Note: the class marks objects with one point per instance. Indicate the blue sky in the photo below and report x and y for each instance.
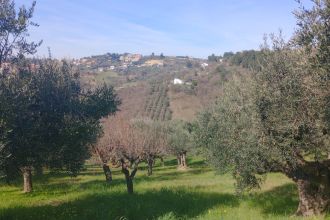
(77, 28)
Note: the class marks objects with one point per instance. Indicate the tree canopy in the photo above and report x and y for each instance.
(277, 120)
(50, 120)
(14, 28)
(180, 141)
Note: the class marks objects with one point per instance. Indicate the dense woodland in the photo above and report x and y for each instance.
(248, 114)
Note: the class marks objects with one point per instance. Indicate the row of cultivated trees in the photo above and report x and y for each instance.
(126, 143)
(157, 106)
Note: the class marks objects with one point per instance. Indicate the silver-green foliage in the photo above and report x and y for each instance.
(277, 119)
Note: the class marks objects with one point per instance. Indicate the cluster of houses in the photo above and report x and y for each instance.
(130, 58)
(124, 61)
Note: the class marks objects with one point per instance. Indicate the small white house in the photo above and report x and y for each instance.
(177, 81)
(204, 65)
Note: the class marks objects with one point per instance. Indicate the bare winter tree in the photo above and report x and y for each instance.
(122, 143)
(129, 150)
(104, 148)
(155, 141)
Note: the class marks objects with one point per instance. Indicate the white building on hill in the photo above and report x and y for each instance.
(177, 81)
(204, 65)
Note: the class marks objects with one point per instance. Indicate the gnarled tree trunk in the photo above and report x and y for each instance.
(27, 178)
(129, 183)
(313, 182)
(181, 157)
(107, 173)
(179, 160)
(150, 166)
(314, 199)
(128, 176)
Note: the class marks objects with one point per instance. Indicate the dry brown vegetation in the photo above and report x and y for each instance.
(133, 99)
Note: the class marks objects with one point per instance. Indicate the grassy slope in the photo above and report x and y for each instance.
(169, 194)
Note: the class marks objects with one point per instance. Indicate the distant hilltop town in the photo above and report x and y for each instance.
(120, 62)
(128, 62)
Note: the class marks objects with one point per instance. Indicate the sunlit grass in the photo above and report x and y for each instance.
(196, 193)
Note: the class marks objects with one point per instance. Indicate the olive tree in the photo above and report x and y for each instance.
(180, 142)
(50, 120)
(278, 119)
(14, 31)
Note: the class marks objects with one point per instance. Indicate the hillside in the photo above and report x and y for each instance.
(146, 86)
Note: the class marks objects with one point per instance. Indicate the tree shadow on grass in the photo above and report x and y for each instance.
(117, 205)
(281, 200)
(190, 162)
(175, 174)
(171, 172)
(98, 172)
(171, 162)
(196, 163)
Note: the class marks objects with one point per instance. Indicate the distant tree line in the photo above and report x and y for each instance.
(246, 58)
(214, 58)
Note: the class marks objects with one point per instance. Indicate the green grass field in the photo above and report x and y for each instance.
(196, 193)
